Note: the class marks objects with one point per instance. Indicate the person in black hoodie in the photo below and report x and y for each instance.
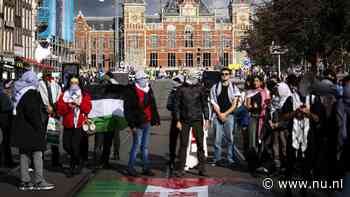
(191, 107)
(174, 132)
(5, 122)
(141, 113)
(104, 140)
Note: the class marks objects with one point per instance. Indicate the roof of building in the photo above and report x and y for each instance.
(153, 19)
(134, 1)
(100, 23)
(203, 9)
(242, 1)
(172, 8)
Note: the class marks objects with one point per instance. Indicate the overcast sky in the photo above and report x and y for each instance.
(98, 8)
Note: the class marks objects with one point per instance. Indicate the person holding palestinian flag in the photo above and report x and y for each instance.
(140, 127)
(74, 104)
(106, 125)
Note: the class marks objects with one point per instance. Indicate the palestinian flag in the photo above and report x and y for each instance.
(150, 187)
(107, 108)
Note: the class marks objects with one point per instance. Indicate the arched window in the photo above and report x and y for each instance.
(207, 40)
(171, 36)
(154, 41)
(189, 37)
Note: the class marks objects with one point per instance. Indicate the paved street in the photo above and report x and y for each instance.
(114, 182)
(236, 182)
(290, 59)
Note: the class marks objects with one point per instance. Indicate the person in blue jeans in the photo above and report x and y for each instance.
(140, 140)
(224, 97)
(140, 125)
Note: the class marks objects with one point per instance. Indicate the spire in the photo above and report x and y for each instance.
(80, 14)
(172, 8)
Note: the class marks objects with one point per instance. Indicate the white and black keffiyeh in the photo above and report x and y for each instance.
(301, 127)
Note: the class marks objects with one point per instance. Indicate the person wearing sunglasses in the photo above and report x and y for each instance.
(224, 98)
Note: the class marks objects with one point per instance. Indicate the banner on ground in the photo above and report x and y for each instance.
(150, 187)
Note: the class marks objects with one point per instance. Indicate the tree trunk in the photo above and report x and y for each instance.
(313, 59)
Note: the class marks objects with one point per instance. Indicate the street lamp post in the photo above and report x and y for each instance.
(279, 65)
(118, 14)
(222, 38)
(278, 50)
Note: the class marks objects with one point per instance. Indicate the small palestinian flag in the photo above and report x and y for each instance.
(150, 187)
(107, 109)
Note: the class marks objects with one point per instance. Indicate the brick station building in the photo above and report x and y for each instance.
(186, 33)
(94, 42)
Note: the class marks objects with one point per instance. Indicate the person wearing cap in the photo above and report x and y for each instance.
(28, 132)
(190, 110)
(50, 92)
(74, 104)
(5, 122)
(174, 132)
(140, 127)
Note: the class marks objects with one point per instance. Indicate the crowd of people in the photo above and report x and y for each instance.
(297, 124)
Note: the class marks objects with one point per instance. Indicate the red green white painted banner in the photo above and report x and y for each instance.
(150, 187)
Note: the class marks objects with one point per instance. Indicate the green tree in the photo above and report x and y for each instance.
(310, 29)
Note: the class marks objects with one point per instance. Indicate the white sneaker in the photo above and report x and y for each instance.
(44, 186)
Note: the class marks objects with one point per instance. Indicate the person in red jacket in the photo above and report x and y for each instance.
(74, 105)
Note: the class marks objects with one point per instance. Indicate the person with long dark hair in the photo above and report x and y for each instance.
(255, 100)
(5, 123)
(74, 105)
